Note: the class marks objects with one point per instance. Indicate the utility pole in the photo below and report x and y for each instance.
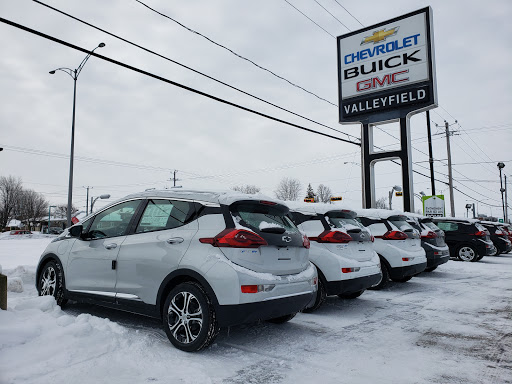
(450, 179)
(500, 167)
(430, 156)
(87, 200)
(174, 179)
(505, 219)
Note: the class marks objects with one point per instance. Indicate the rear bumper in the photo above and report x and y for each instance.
(352, 285)
(228, 315)
(433, 260)
(409, 270)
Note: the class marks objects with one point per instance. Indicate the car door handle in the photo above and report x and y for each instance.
(175, 240)
(111, 246)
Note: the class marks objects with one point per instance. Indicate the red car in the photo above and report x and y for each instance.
(21, 232)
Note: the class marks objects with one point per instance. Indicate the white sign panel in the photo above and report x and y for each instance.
(387, 66)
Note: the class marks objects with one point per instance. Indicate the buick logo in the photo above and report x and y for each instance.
(287, 239)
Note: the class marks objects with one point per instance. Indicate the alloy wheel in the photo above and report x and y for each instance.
(48, 281)
(466, 254)
(185, 317)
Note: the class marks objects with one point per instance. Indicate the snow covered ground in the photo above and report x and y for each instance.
(453, 325)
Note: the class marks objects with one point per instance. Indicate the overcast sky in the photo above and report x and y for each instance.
(132, 131)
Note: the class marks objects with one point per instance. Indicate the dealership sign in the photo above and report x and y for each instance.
(387, 66)
(433, 206)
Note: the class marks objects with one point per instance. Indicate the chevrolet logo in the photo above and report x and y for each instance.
(379, 36)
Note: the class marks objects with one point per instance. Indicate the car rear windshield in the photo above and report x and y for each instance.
(257, 216)
(414, 224)
(431, 225)
(400, 222)
(344, 220)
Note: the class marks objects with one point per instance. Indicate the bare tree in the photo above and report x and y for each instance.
(62, 210)
(324, 193)
(382, 203)
(288, 189)
(31, 205)
(248, 189)
(10, 190)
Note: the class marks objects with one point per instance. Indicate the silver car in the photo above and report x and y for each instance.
(197, 260)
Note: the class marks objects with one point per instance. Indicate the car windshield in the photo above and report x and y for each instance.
(257, 216)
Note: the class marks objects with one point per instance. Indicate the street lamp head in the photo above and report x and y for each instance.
(101, 45)
(501, 165)
(52, 72)
(106, 196)
(397, 188)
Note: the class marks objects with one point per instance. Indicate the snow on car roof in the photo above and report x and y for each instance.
(320, 208)
(466, 219)
(226, 197)
(378, 213)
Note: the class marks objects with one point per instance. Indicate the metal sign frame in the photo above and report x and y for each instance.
(369, 111)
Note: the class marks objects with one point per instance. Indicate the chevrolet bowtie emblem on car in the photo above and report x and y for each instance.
(379, 36)
(287, 239)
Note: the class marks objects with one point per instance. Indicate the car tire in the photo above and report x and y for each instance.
(430, 269)
(402, 279)
(350, 296)
(466, 253)
(51, 282)
(495, 252)
(321, 295)
(282, 319)
(189, 317)
(385, 277)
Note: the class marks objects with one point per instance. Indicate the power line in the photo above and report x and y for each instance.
(346, 10)
(191, 69)
(325, 9)
(313, 21)
(176, 84)
(233, 52)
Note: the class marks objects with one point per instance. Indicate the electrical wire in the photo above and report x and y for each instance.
(165, 80)
(338, 20)
(191, 69)
(233, 52)
(313, 21)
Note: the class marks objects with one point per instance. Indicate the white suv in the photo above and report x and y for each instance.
(197, 260)
(341, 249)
(397, 243)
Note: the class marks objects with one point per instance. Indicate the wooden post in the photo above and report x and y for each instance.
(3, 292)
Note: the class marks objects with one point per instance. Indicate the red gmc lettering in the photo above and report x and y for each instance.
(375, 82)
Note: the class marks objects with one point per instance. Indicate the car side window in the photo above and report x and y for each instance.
(165, 214)
(113, 221)
(448, 227)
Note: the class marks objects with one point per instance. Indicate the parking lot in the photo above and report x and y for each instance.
(453, 325)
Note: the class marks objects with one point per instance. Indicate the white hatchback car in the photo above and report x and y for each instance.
(341, 249)
(197, 260)
(397, 243)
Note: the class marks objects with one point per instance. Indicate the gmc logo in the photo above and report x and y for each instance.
(375, 82)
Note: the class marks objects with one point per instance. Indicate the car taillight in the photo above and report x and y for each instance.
(429, 235)
(394, 235)
(348, 270)
(407, 258)
(257, 288)
(332, 237)
(305, 242)
(480, 233)
(499, 233)
(372, 238)
(235, 238)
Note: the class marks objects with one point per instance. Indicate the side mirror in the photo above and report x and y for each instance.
(76, 230)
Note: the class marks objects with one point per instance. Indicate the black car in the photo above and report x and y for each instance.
(467, 238)
(432, 240)
(499, 237)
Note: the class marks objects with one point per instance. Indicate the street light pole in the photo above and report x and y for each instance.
(395, 188)
(73, 73)
(93, 200)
